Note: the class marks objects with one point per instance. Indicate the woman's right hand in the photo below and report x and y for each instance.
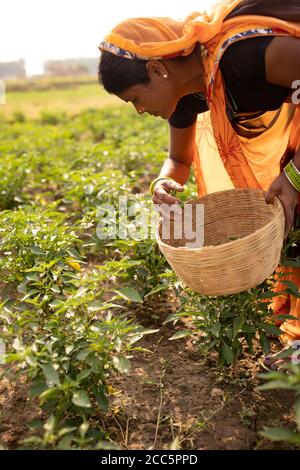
(162, 190)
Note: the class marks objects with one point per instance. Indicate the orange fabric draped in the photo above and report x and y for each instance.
(239, 155)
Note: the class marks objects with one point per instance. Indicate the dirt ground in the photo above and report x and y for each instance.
(172, 397)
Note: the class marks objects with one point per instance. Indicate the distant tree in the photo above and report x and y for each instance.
(70, 67)
(13, 69)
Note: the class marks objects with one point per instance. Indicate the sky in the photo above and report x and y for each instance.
(37, 30)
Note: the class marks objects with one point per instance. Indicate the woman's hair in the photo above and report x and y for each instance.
(117, 74)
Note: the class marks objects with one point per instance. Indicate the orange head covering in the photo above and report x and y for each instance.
(157, 38)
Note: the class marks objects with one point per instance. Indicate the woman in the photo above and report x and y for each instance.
(226, 82)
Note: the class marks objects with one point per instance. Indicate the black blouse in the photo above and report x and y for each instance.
(247, 90)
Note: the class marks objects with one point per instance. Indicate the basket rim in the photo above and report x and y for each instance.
(277, 204)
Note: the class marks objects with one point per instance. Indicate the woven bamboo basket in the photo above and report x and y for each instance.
(243, 239)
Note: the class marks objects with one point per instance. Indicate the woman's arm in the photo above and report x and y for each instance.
(283, 68)
(181, 149)
(177, 166)
(282, 61)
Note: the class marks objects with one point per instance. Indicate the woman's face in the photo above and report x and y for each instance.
(159, 97)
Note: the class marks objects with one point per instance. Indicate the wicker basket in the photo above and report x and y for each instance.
(243, 238)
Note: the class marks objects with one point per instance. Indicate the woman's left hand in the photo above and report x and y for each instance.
(288, 196)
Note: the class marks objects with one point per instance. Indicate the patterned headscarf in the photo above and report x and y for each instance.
(165, 38)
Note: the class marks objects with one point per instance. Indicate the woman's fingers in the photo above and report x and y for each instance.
(271, 194)
(172, 185)
(167, 204)
(273, 191)
(161, 196)
(161, 192)
(289, 198)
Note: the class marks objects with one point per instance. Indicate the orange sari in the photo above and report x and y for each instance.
(224, 158)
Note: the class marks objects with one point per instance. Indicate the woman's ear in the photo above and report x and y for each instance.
(158, 68)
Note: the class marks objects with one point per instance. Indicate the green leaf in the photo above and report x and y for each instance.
(274, 375)
(50, 374)
(17, 345)
(30, 359)
(215, 330)
(65, 443)
(36, 250)
(83, 354)
(97, 306)
(29, 294)
(37, 388)
(278, 434)
(130, 294)
(274, 385)
(292, 287)
(227, 354)
(69, 348)
(7, 317)
(81, 399)
(50, 424)
(248, 328)
(88, 189)
(173, 317)
(13, 357)
(66, 430)
(81, 292)
(144, 331)
(101, 398)
(49, 394)
(121, 363)
(34, 424)
(228, 333)
(270, 329)
(292, 263)
(211, 344)
(83, 428)
(268, 295)
(73, 252)
(55, 289)
(56, 303)
(264, 343)
(181, 334)
(238, 323)
(83, 374)
(156, 289)
(32, 277)
(286, 317)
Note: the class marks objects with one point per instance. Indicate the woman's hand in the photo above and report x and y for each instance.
(288, 196)
(161, 194)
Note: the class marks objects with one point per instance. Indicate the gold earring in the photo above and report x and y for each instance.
(165, 76)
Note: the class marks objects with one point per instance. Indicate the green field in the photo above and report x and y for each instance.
(104, 346)
(54, 96)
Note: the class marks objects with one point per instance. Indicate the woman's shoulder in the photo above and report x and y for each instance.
(245, 59)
